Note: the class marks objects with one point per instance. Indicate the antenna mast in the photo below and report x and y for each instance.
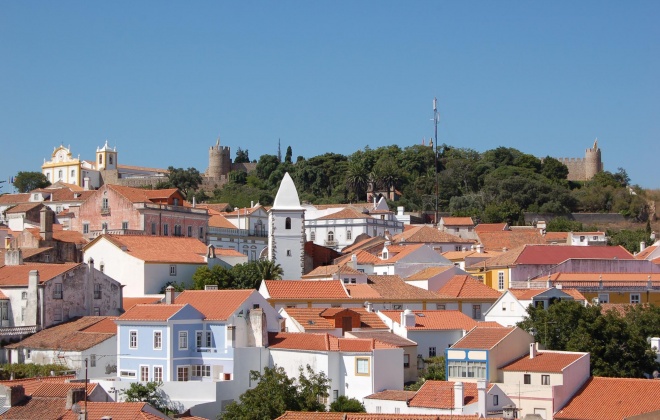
(436, 118)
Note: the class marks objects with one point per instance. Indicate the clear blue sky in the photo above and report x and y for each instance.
(162, 80)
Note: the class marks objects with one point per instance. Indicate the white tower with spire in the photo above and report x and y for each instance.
(286, 234)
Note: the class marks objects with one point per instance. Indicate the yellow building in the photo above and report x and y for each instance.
(496, 272)
(612, 287)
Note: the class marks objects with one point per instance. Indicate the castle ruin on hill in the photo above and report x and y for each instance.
(583, 169)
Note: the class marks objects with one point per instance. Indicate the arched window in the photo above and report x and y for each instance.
(110, 159)
(331, 236)
(287, 223)
(348, 235)
(312, 236)
(59, 173)
(100, 159)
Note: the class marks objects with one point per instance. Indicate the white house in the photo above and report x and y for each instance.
(586, 238)
(146, 264)
(434, 278)
(245, 230)
(356, 367)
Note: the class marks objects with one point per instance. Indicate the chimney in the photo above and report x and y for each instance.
(32, 299)
(458, 396)
(407, 318)
(533, 350)
(194, 203)
(169, 295)
(46, 222)
(14, 257)
(481, 397)
(642, 246)
(370, 306)
(258, 336)
(13, 394)
(399, 211)
(480, 248)
(251, 204)
(354, 262)
(73, 396)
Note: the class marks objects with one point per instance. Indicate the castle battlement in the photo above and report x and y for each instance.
(583, 169)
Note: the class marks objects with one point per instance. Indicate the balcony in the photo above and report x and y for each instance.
(207, 350)
(330, 243)
(243, 233)
(105, 211)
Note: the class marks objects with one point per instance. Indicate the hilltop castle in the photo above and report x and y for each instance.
(583, 169)
(220, 165)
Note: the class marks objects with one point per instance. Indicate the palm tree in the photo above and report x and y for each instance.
(270, 270)
(357, 177)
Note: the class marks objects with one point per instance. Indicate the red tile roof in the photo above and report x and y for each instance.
(612, 399)
(398, 252)
(23, 208)
(429, 272)
(642, 255)
(555, 254)
(363, 257)
(32, 384)
(466, 287)
(362, 291)
(323, 342)
(216, 305)
(321, 318)
(347, 213)
(160, 249)
(505, 259)
(393, 287)
(509, 239)
(329, 270)
(440, 394)
(304, 289)
(76, 335)
(427, 234)
(436, 320)
(141, 195)
(59, 390)
(117, 411)
(365, 244)
(321, 415)
(490, 227)
(457, 221)
(383, 336)
(483, 338)
(129, 302)
(217, 220)
(59, 234)
(14, 198)
(544, 361)
(17, 275)
(150, 312)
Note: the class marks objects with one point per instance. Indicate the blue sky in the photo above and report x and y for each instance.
(162, 80)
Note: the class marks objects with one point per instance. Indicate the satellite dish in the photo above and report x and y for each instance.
(76, 408)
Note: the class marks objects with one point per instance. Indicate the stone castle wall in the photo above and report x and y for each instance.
(583, 169)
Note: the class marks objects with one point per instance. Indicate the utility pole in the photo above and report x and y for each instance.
(85, 389)
(436, 118)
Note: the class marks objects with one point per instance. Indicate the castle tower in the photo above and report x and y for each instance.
(592, 161)
(219, 161)
(286, 236)
(106, 158)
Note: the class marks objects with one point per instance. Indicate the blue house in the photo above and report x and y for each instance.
(193, 336)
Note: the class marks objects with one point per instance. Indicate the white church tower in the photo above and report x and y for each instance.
(286, 235)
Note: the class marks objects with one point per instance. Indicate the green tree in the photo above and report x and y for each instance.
(216, 275)
(185, 180)
(553, 169)
(269, 270)
(629, 239)
(289, 155)
(28, 181)
(267, 165)
(242, 156)
(149, 393)
(277, 393)
(563, 224)
(357, 178)
(343, 404)
(434, 369)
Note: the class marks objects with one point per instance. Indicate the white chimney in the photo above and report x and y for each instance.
(480, 248)
(251, 204)
(642, 246)
(399, 211)
(169, 295)
(533, 350)
(407, 318)
(370, 307)
(481, 397)
(458, 396)
(354, 262)
(194, 203)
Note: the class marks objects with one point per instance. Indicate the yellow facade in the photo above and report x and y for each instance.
(62, 167)
(491, 277)
(623, 296)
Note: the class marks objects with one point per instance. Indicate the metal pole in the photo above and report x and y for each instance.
(435, 122)
(85, 388)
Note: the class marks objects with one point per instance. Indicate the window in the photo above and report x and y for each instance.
(361, 366)
(199, 335)
(85, 227)
(177, 230)
(287, 223)
(57, 291)
(183, 340)
(527, 380)
(603, 298)
(104, 204)
(97, 291)
(4, 310)
(73, 173)
(132, 340)
(201, 233)
(104, 226)
(349, 235)
(545, 379)
(97, 311)
(92, 360)
(127, 373)
(24, 295)
(172, 270)
(312, 236)
(634, 298)
(331, 236)
(110, 159)
(476, 311)
(440, 306)
(158, 373)
(209, 339)
(595, 238)
(406, 360)
(102, 267)
(166, 229)
(175, 201)
(431, 351)
(496, 400)
(500, 280)
(124, 225)
(182, 373)
(288, 252)
(466, 369)
(158, 340)
(335, 394)
(153, 228)
(144, 373)
(397, 410)
(581, 238)
(189, 231)
(398, 307)
(201, 371)
(57, 315)
(59, 174)
(503, 306)
(100, 159)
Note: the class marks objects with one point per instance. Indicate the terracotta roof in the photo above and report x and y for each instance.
(544, 361)
(429, 272)
(554, 254)
(32, 384)
(117, 411)
(150, 312)
(346, 213)
(376, 241)
(323, 342)
(160, 249)
(436, 320)
(505, 259)
(306, 289)
(37, 408)
(427, 234)
(321, 318)
(362, 291)
(23, 207)
(392, 395)
(217, 220)
(490, 227)
(369, 319)
(59, 390)
(384, 336)
(218, 207)
(527, 294)
(216, 305)
(59, 234)
(457, 221)
(363, 258)
(70, 336)
(612, 398)
(105, 326)
(642, 255)
(329, 270)
(509, 239)
(141, 195)
(466, 287)
(142, 168)
(483, 338)
(393, 287)
(129, 302)
(398, 252)
(14, 198)
(619, 308)
(321, 415)
(17, 275)
(558, 237)
(440, 394)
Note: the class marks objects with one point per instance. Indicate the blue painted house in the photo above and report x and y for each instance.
(193, 336)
